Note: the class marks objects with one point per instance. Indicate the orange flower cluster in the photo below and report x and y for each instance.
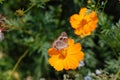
(84, 23)
(67, 58)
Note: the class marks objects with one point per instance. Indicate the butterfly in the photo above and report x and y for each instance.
(61, 42)
(3, 27)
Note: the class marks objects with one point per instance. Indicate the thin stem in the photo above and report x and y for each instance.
(16, 65)
(29, 8)
(28, 32)
(104, 5)
(97, 4)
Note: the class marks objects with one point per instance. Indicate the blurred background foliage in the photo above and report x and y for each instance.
(34, 24)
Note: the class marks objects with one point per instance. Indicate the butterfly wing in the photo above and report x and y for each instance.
(61, 42)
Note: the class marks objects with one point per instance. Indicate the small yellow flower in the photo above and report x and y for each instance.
(20, 12)
(89, 1)
(67, 58)
(84, 23)
(1, 1)
(15, 75)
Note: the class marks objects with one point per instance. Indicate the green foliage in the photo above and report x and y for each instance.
(42, 21)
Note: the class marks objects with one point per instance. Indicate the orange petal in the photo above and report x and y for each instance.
(82, 12)
(66, 64)
(75, 20)
(70, 41)
(71, 62)
(56, 63)
(75, 51)
(79, 55)
(78, 31)
(52, 51)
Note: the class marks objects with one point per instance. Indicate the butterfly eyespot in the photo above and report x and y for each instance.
(64, 38)
(61, 38)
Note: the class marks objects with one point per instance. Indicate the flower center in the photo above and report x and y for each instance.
(83, 22)
(63, 53)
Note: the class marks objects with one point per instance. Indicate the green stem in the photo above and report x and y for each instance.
(16, 65)
(104, 5)
(97, 4)
(17, 28)
(29, 8)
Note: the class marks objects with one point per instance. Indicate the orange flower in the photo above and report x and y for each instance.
(67, 58)
(84, 23)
